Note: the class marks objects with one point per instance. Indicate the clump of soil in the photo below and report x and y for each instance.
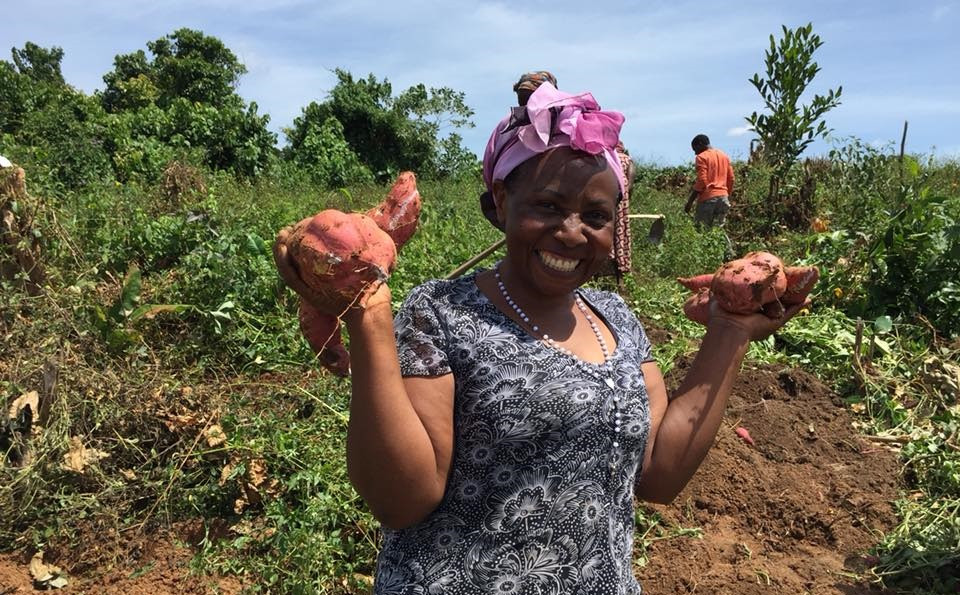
(792, 514)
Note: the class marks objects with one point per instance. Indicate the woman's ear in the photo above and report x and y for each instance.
(500, 200)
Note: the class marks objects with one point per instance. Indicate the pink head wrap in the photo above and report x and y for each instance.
(550, 119)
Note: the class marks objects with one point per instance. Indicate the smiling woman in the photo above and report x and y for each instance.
(502, 424)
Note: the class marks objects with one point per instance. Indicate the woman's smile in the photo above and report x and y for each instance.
(558, 263)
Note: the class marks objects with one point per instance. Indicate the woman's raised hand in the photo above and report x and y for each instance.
(756, 326)
(288, 268)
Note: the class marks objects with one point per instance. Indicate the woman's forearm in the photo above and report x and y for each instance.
(693, 415)
(390, 457)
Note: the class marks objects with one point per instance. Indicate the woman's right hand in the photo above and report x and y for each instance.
(288, 268)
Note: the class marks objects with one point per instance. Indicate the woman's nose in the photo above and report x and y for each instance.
(570, 231)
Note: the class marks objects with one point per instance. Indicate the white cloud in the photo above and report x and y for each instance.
(740, 130)
(941, 11)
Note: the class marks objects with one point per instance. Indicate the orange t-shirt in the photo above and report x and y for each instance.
(714, 175)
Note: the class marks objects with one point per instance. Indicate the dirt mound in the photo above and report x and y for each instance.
(792, 513)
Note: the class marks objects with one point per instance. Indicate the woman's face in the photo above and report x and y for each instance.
(558, 214)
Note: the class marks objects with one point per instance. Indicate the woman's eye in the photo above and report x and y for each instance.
(597, 219)
(547, 206)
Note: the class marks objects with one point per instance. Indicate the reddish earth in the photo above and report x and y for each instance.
(157, 565)
(792, 514)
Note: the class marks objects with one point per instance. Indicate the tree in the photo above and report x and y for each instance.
(186, 64)
(183, 98)
(789, 127)
(387, 133)
(39, 63)
(130, 85)
(56, 128)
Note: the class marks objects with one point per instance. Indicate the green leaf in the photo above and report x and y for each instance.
(131, 290)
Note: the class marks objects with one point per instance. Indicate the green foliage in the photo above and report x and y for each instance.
(388, 134)
(685, 251)
(914, 261)
(65, 136)
(115, 323)
(325, 154)
(39, 63)
(313, 532)
(922, 555)
(186, 64)
(183, 99)
(50, 125)
(789, 128)
(862, 181)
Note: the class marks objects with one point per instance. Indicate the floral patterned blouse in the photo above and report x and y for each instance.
(546, 449)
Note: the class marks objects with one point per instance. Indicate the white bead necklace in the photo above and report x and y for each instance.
(584, 364)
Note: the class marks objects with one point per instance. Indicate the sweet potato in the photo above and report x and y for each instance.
(399, 212)
(758, 282)
(800, 281)
(696, 283)
(343, 258)
(322, 332)
(744, 285)
(697, 306)
(745, 435)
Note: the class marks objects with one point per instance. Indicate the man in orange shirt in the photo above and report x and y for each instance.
(713, 186)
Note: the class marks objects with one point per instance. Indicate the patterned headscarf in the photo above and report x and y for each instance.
(550, 119)
(532, 80)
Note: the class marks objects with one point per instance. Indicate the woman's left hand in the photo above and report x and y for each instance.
(756, 326)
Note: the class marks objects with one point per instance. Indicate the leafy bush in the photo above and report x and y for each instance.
(914, 261)
(388, 133)
(327, 156)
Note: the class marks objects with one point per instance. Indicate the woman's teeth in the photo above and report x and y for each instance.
(557, 263)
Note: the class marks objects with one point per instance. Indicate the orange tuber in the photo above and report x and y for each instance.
(343, 258)
(758, 282)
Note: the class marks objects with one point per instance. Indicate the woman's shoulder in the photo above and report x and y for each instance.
(613, 308)
(443, 291)
(609, 301)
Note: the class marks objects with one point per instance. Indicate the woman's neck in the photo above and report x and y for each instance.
(533, 302)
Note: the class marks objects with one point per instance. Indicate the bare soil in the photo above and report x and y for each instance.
(794, 513)
(152, 565)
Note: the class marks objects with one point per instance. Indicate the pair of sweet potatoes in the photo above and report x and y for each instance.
(758, 282)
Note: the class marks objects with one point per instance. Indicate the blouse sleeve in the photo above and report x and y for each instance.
(644, 346)
(421, 336)
(625, 319)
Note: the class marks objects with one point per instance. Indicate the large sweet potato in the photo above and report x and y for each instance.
(744, 285)
(343, 258)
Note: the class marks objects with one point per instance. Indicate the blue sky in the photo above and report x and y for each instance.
(674, 69)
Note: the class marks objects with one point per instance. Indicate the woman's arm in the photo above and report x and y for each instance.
(400, 437)
(684, 428)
